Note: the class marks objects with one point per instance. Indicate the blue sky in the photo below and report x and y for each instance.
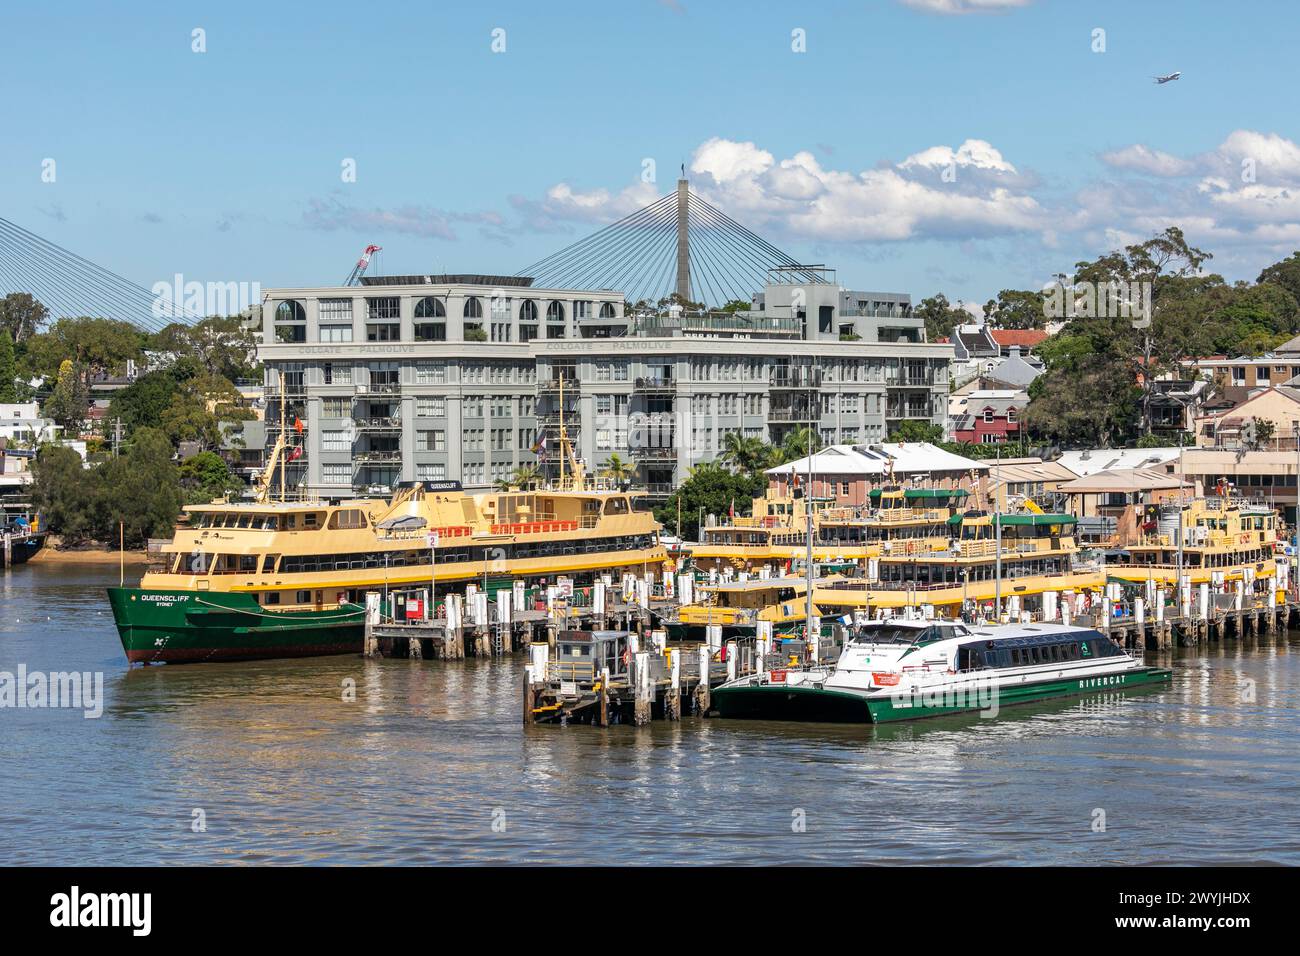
(226, 165)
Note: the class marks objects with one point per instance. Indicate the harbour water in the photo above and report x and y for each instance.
(431, 764)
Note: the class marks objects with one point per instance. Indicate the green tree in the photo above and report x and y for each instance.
(915, 430)
(746, 454)
(940, 316)
(1017, 309)
(141, 489)
(617, 470)
(96, 346)
(712, 488)
(8, 368)
(64, 492)
(1285, 273)
(799, 443)
(69, 401)
(22, 315)
(206, 477)
(143, 401)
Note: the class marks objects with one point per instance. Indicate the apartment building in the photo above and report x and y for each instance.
(468, 377)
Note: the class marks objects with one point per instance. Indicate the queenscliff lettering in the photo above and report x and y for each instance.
(73, 909)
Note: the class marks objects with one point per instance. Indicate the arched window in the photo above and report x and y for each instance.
(528, 311)
(607, 310)
(473, 308)
(430, 307)
(290, 321)
(555, 312)
(290, 310)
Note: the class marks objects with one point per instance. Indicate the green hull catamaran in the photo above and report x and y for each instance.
(907, 670)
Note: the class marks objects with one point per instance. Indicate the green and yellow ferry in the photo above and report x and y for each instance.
(288, 579)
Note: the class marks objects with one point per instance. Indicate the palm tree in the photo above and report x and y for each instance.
(617, 470)
(526, 476)
(747, 454)
(800, 442)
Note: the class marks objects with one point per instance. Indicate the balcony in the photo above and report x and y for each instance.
(799, 377)
(380, 388)
(386, 457)
(908, 411)
(910, 381)
(569, 383)
(391, 423)
(655, 383)
(667, 451)
(801, 414)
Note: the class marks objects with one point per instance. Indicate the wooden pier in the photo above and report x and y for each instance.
(476, 624)
(625, 677)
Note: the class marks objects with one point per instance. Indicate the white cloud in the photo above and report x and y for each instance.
(332, 213)
(1145, 160)
(962, 7)
(974, 153)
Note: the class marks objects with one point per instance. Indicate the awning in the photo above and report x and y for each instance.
(935, 493)
(1035, 521)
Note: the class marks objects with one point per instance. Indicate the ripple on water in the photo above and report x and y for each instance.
(431, 765)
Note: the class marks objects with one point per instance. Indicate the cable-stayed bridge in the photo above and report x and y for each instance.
(678, 245)
(70, 285)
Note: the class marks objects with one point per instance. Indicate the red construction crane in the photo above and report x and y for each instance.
(360, 268)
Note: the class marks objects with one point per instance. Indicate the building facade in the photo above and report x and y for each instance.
(470, 377)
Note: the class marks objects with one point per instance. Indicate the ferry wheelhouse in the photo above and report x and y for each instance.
(907, 669)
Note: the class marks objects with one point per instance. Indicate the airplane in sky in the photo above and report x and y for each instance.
(1166, 79)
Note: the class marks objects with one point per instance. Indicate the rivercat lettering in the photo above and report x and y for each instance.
(73, 909)
(1111, 680)
(979, 694)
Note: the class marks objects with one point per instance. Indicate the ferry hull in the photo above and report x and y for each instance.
(775, 702)
(162, 626)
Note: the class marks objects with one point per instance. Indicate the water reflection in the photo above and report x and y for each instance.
(428, 762)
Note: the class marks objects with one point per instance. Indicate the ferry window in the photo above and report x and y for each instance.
(176, 564)
(309, 520)
(268, 564)
(271, 597)
(245, 520)
(304, 597)
(268, 523)
(348, 518)
(616, 506)
(290, 522)
(248, 563)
